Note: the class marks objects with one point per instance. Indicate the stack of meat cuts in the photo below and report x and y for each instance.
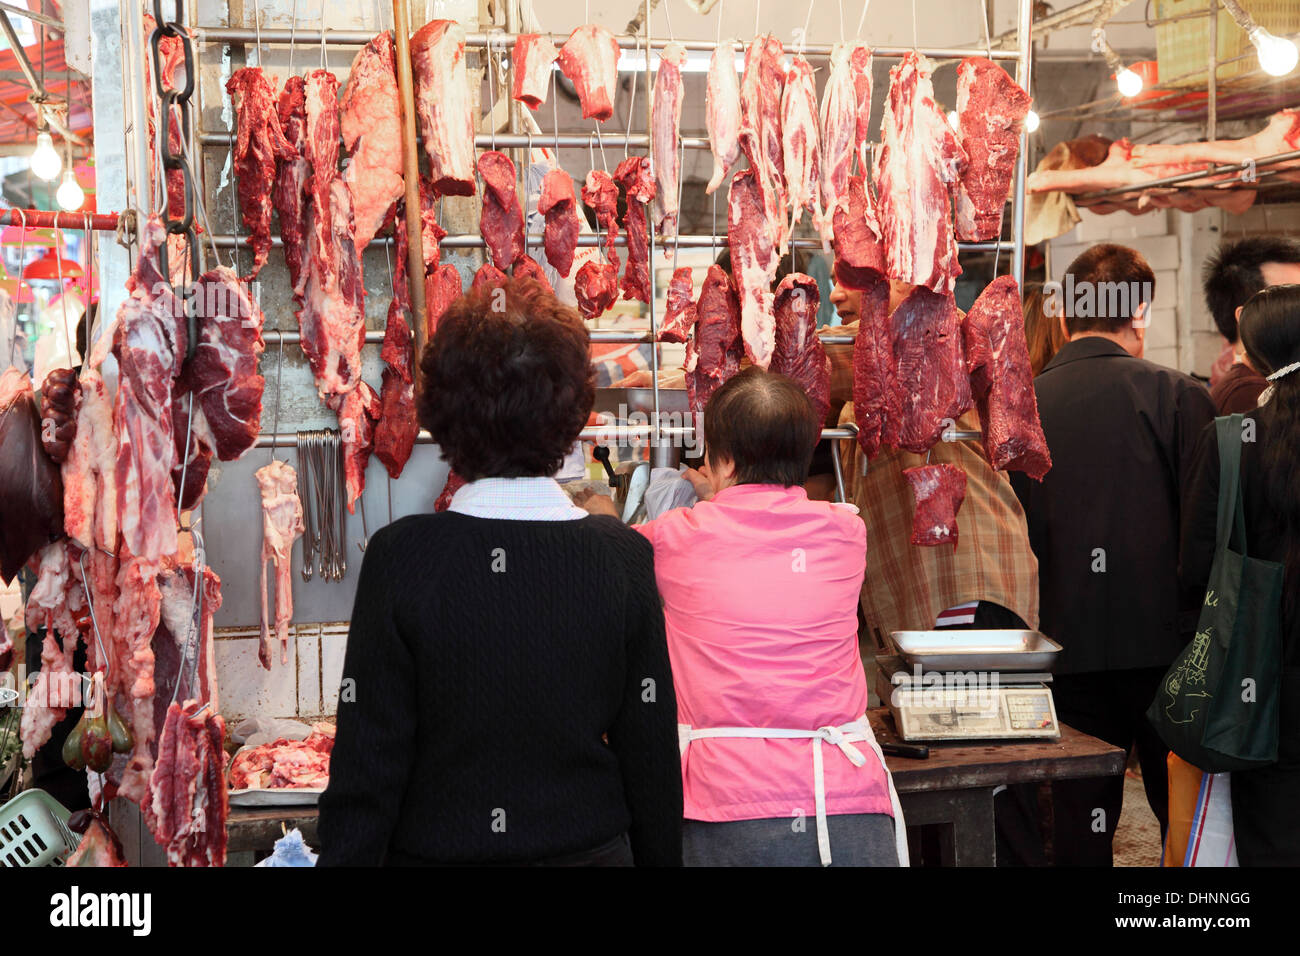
(589, 58)
(635, 176)
(533, 58)
(371, 123)
(260, 144)
(722, 99)
(939, 491)
(444, 106)
(285, 764)
(991, 110)
(665, 126)
(282, 525)
(799, 353)
(560, 207)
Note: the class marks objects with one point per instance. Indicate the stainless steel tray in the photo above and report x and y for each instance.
(951, 649)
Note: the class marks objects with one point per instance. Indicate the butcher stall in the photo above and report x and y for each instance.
(290, 195)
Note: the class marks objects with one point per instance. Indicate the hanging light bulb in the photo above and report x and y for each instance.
(70, 197)
(1129, 83)
(1277, 55)
(1031, 122)
(46, 163)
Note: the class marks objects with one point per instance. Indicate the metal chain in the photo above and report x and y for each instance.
(178, 222)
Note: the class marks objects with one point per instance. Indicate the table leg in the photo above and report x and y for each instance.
(966, 817)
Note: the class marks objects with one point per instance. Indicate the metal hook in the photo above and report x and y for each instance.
(365, 530)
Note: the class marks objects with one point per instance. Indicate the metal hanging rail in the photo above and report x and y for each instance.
(45, 219)
(525, 141)
(1208, 176)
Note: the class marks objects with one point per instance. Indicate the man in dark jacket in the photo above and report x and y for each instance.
(1104, 525)
(1232, 275)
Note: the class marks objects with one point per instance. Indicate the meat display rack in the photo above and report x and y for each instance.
(657, 432)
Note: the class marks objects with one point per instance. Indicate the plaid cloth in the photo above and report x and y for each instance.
(907, 587)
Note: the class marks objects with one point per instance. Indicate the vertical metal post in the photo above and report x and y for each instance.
(1025, 40)
(1212, 108)
(650, 228)
(411, 175)
(136, 114)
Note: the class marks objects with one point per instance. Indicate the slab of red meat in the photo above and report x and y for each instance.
(799, 353)
(715, 353)
(398, 424)
(431, 232)
(931, 385)
(502, 222)
(665, 124)
(443, 105)
(754, 261)
(136, 614)
(183, 646)
(859, 253)
(991, 110)
(194, 450)
(760, 130)
(149, 344)
(31, 489)
(589, 59)
(259, 145)
(531, 64)
(636, 177)
(920, 163)
(601, 194)
(526, 267)
(838, 131)
(722, 101)
(89, 471)
(799, 139)
(187, 814)
(997, 358)
(939, 491)
(488, 275)
(371, 122)
(560, 207)
(358, 412)
(441, 289)
(596, 288)
(289, 195)
(60, 394)
(333, 316)
(874, 398)
(679, 317)
(223, 373)
(454, 483)
(860, 69)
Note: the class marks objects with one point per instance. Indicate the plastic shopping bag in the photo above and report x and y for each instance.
(1200, 817)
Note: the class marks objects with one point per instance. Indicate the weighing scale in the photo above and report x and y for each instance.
(969, 685)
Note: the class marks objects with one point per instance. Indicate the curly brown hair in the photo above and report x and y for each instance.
(507, 382)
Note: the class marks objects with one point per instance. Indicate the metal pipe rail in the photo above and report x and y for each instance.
(274, 337)
(589, 433)
(281, 37)
(1209, 174)
(591, 140)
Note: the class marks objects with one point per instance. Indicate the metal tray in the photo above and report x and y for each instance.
(951, 649)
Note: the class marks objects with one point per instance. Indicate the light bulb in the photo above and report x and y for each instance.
(69, 197)
(952, 118)
(1031, 122)
(1129, 83)
(46, 163)
(1277, 55)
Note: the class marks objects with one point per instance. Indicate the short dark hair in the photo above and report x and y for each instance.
(1232, 275)
(1117, 276)
(507, 382)
(765, 423)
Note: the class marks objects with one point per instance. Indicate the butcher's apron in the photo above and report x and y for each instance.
(844, 737)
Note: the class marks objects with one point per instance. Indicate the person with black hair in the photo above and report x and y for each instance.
(1265, 825)
(1235, 272)
(481, 719)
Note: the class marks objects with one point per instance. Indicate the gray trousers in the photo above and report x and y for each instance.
(857, 839)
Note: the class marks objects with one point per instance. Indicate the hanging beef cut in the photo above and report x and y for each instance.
(722, 104)
(596, 288)
(754, 261)
(526, 267)
(60, 396)
(589, 58)
(939, 491)
(930, 384)
(441, 289)
(289, 195)
(282, 524)
(398, 426)
(760, 131)
(371, 122)
(859, 254)
(31, 490)
(488, 275)
(223, 373)
(679, 315)
(997, 358)
(799, 139)
(187, 815)
(875, 404)
(920, 163)
(444, 106)
(991, 110)
(502, 222)
(714, 354)
(838, 127)
(860, 70)
(560, 207)
(637, 179)
(799, 353)
(259, 145)
(531, 64)
(665, 126)
(601, 194)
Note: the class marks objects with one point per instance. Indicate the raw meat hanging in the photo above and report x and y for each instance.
(560, 207)
(991, 110)
(760, 132)
(282, 524)
(679, 316)
(56, 604)
(488, 275)
(838, 128)
(187, 814)
(526, 267)
(441, 290)
(358, 412)
(289, 195)
(939, 491)
(920, 163)
(874, 400)
(860, 70)
(799, 139)
(371, 122)
(589, 58)
(665, 124)
(754, 261)
(859, 254)
(722, 101)
(714, 354)
(398, 425)
(601, 194)
(635, 176)
(90, 472)
(799, 353)
(259, 145)
(502, 222)
(444, 106)
(596, 288)
(453, 484)
(533, 57)
(997, 358)
(31, 490)
(929, 380)
(60, 395)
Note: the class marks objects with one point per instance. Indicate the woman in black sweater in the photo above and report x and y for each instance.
(506, 694)
(1264, 801)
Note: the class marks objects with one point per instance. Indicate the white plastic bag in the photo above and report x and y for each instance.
(290, 850)
(1211, 841)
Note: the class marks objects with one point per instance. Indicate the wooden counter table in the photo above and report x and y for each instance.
(954, 787)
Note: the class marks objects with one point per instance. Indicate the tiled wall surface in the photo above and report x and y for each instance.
(305, 687)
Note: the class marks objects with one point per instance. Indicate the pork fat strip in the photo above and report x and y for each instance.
(722, 99)
(799, 139)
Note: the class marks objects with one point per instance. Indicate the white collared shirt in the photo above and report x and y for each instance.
(518, 499)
